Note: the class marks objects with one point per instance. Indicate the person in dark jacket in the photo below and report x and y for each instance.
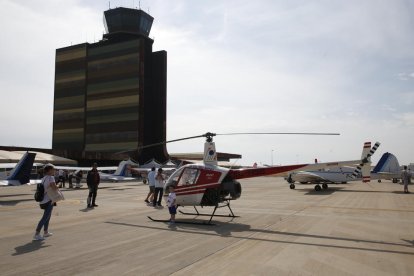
(92, 180)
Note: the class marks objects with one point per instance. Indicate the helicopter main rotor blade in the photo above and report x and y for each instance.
(209, 135)
(170, 141)
(281, 133)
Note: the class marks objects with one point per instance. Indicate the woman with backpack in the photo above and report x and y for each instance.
(48, 182)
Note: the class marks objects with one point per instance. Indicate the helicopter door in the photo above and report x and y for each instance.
(189, 177)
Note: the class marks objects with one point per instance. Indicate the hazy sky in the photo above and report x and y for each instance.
(237, 66)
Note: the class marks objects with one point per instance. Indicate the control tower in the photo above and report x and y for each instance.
(111, 96)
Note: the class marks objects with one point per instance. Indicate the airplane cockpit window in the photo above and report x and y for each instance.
(189, 176)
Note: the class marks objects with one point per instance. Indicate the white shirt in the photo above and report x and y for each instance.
(159, 183)
(151, 178)
(170, 200)
(46, 183)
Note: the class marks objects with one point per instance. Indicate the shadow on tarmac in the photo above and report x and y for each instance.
(14, 195)
(29, 247)
(228, 230)
(86, 209)
(14, 201)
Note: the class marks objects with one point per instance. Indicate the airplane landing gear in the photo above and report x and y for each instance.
(325, 186)
(292, 186)
(318, 188)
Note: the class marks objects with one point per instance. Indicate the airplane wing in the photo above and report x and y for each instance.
(115, 178)
(69, 168)
(8, 165)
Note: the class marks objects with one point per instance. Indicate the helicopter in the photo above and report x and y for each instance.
(208, 184)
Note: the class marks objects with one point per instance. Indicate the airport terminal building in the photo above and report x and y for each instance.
(110, 96)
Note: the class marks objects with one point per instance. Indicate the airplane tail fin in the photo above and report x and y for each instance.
(365, 166)
(210, 154)
(23, 168)
(124, 166)
(388, 163)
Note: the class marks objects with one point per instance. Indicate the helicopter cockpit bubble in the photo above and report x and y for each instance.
(173, 179)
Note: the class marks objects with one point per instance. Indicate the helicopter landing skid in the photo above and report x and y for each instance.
(181, 222)
(213, 214)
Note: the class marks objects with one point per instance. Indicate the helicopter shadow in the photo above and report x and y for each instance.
(231, 229)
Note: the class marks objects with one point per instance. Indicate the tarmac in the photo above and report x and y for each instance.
(349, 229)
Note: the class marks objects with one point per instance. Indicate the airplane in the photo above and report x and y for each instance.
(208, 184)
(120, 173)
(386, 168)
(21, 173)
(145, 171)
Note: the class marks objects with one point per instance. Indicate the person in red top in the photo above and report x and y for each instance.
(93, 180)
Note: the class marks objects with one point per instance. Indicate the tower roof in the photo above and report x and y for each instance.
(125, 20)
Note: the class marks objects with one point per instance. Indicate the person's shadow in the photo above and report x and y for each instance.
(29, 247)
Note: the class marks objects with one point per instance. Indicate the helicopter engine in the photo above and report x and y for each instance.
(230, 190)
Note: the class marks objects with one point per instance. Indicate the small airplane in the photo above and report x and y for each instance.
(21, 173)
(386, 168)
(208, 184)
(120, 174)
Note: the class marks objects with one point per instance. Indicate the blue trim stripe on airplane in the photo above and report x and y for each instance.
(18, 167)
(123, 170)
(381, 163)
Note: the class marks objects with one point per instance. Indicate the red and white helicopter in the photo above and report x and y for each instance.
(208, 184)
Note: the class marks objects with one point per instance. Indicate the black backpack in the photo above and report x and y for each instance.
(40, 192)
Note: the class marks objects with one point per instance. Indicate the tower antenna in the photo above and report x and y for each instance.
(109, 4)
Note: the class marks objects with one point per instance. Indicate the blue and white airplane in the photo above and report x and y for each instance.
(21, 172)
(120, 174)
(386, 168)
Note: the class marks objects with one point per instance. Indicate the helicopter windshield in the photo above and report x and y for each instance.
(183, 176)
(173, 179)
(189, 176)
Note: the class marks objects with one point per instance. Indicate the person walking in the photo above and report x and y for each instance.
(48, 182)
(151, 185)
(159, 188)
(406, 179)
(92, 179)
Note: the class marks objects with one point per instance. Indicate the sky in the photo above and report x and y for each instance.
(237, 66)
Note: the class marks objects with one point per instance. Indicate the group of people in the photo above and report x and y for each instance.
(156, 181)
(49, 183)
